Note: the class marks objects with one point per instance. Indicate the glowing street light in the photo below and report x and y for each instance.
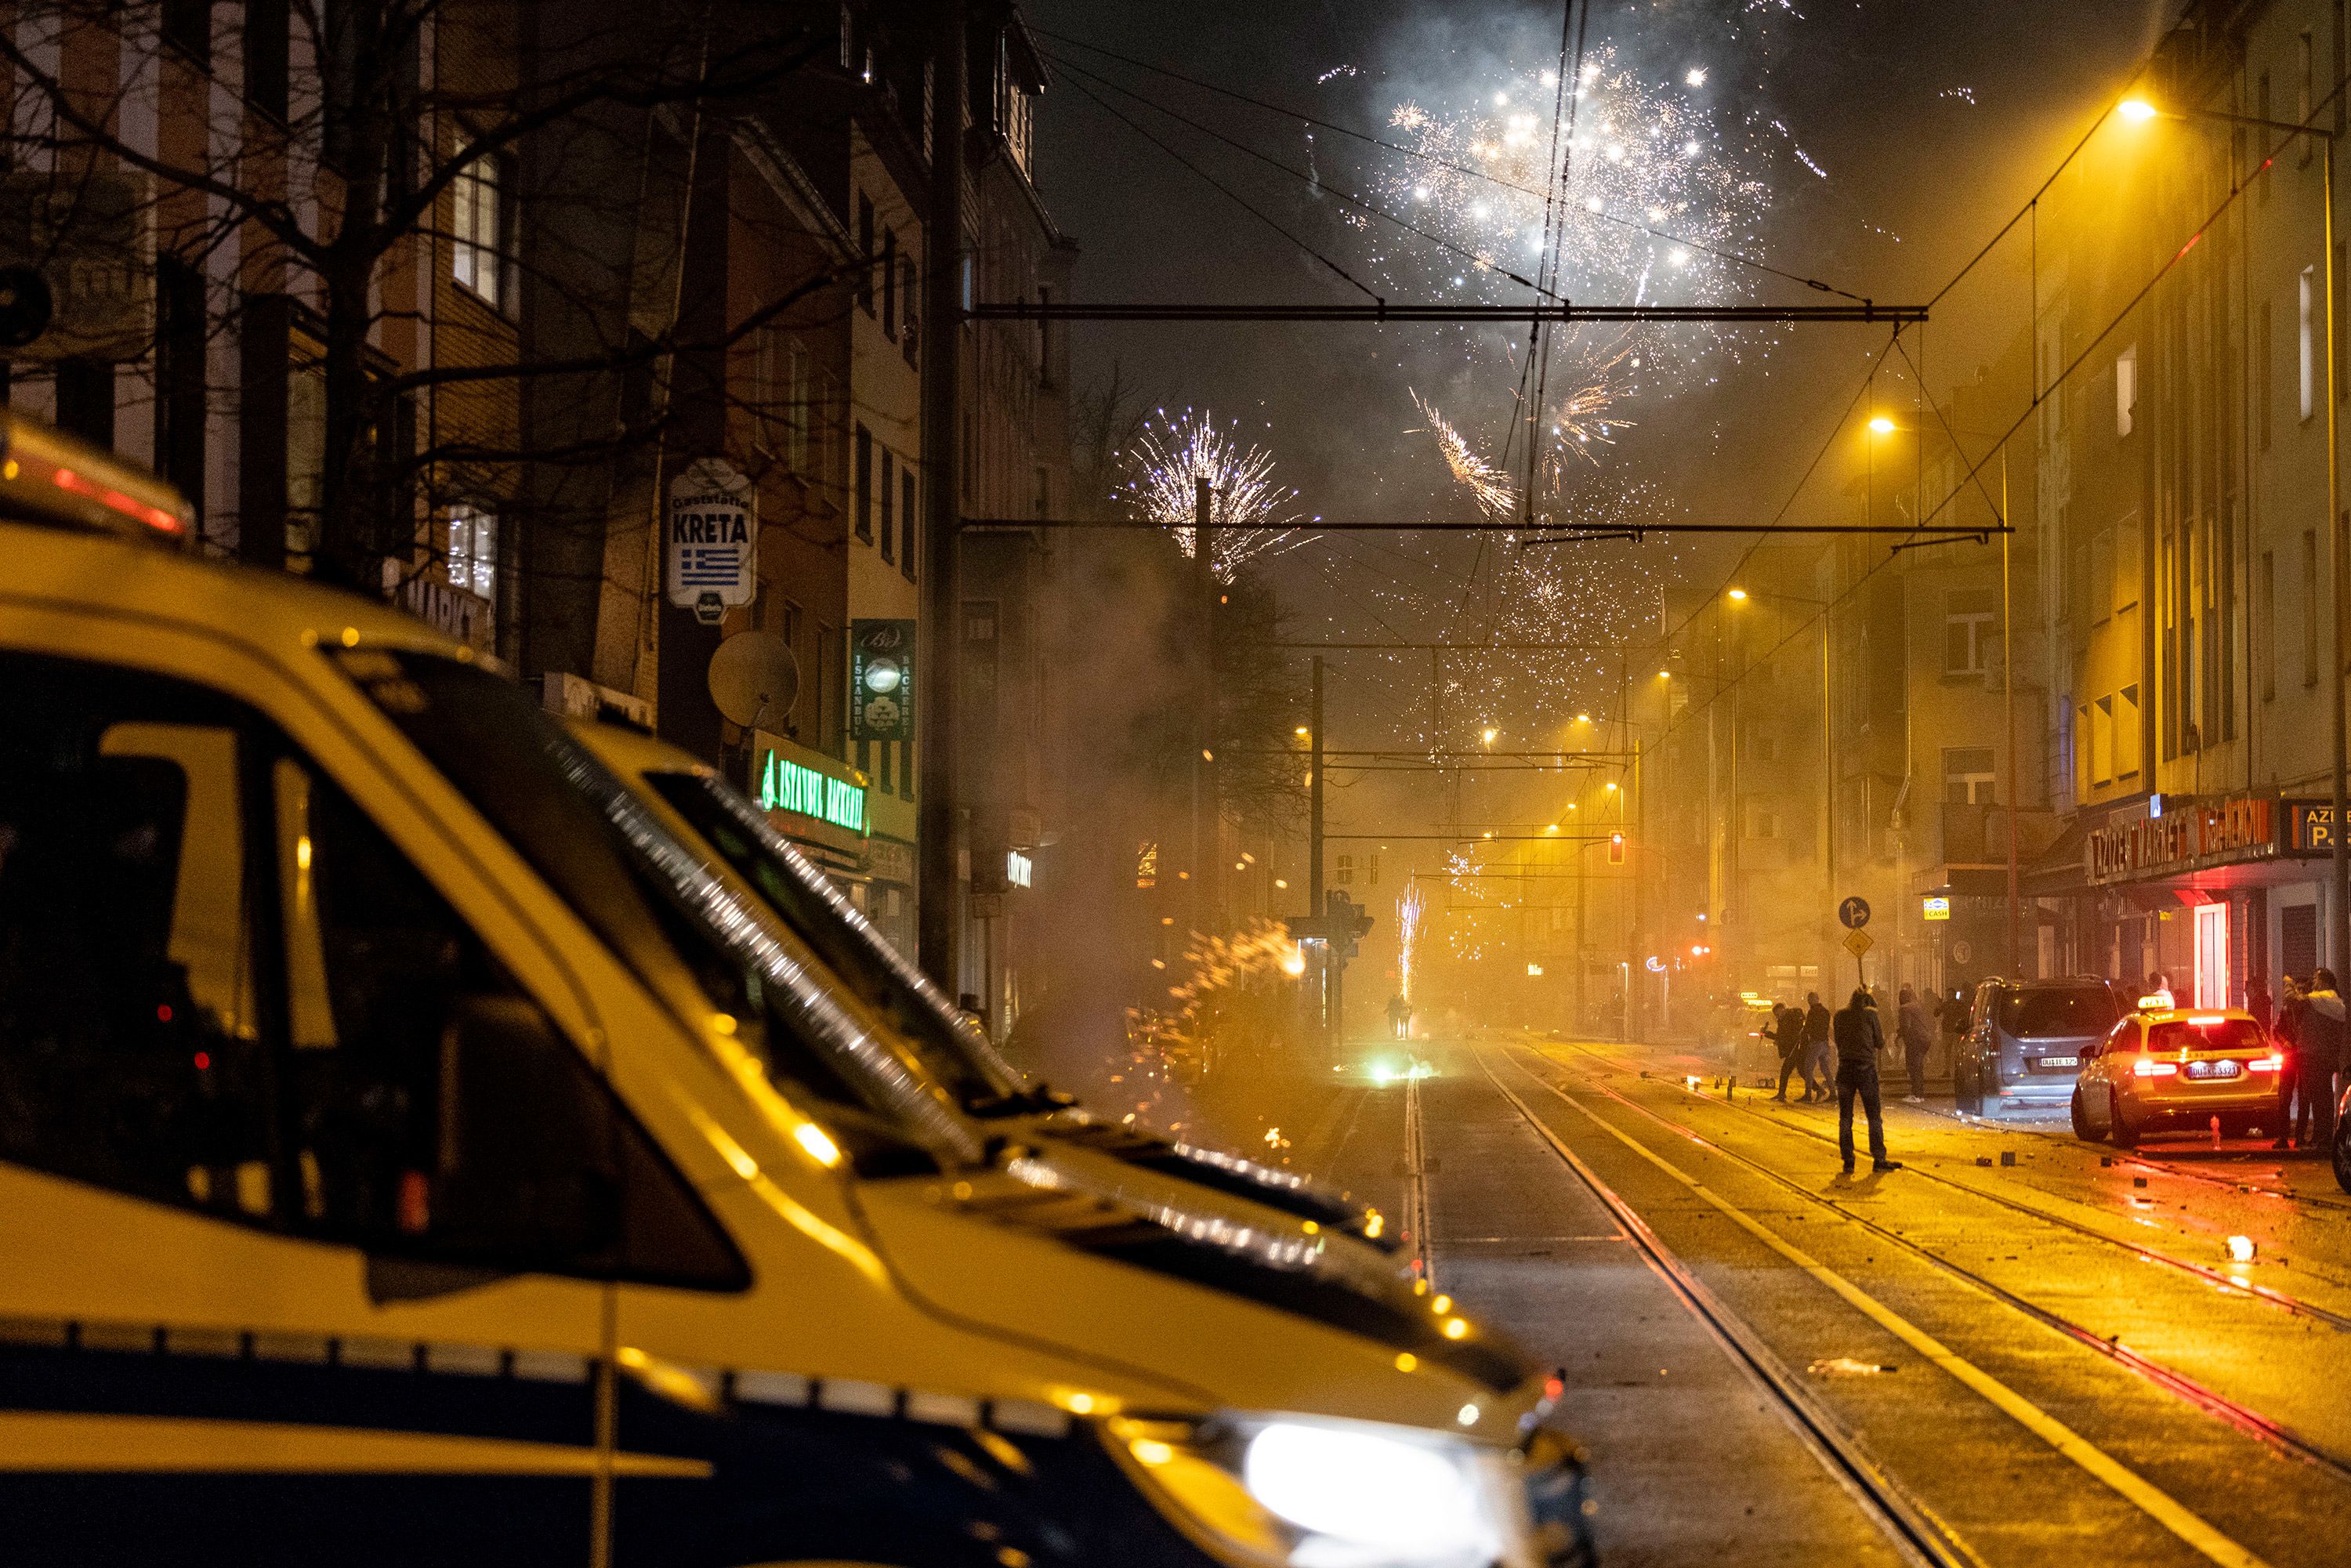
(1881, 425)
(1739, 593)
(1489, 733)
(2138, 111)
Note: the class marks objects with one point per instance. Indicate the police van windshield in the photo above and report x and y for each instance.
(2057, 1012)
(952, 1047)
(652, 898)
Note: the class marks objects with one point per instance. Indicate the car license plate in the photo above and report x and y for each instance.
(2060, 1061)
(2213, 1070)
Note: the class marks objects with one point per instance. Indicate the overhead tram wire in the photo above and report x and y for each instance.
(1568, 532)
(1349, 197)
(1236, 198)
(1434, 161)
(1564, 106)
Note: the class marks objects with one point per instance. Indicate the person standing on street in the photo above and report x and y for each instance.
(2257, 1001)
(1788, 1038)
(2322, 1055)
(1917, 1031)
(1859, 1038)
(2293, 1097)
(1817, 1058)
(1399, 1016)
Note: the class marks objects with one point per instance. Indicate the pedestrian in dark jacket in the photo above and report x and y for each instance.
(1917, 1031)
(2292, 1092)
(1788, 1038)
(1859, 1038)
(1818, 1060)
(2257, 1001)
(2322, 1042)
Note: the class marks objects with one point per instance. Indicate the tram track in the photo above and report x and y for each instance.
(2273, 1434)
(1895, 1508)
(2267, 1294)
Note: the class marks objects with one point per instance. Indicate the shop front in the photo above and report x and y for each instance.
(825, 809)
(2212, 897)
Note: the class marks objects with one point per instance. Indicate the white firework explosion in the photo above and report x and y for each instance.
(1252, 512)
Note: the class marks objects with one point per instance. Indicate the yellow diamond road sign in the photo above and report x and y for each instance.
(1857, 943)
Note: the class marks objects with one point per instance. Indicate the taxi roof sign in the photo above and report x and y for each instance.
(48, 476)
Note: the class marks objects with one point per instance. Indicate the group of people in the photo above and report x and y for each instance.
(2311, 1041)
(1810, 1037)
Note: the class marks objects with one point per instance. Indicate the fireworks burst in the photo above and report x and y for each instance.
(1411, 910)
(1251, 511)
(1489, 485)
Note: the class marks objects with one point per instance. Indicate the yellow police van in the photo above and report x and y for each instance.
(411, 1151)
(1131, 1162)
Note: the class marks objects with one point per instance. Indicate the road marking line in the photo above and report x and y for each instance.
(2142, 1494)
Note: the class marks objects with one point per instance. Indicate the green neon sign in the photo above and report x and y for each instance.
(786, 786)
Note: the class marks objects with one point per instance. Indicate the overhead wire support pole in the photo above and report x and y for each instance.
(1563, 312)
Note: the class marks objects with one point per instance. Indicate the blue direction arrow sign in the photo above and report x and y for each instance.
(1853, 912)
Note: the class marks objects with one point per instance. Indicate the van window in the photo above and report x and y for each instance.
(658, 903)
(131, 1044)
(2056, 1011)
(437, 1112)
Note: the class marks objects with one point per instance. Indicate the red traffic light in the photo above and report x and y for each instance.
(1615, 849)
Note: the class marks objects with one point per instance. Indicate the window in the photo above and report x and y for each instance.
(888, 267)
(187, 26)
(907, 532)
(1371, 870)
(2265, 625)
(1967, 630)
(2265, 374)
(1044, 503)
(1763, 748)
(305, 456)
(1967, 775)
(129, 1039)
(2309, 607)
(266, 41)
(1763, 823)
(477, 256)
(1342, 870)
(2308, 287)
(2102, 741)
(2304, 64)
(865, 253)
(2126, 388)
(861, 479)
(889, 503)
(474, 549)
(908, 310)
(798, 413)
(2128, 734)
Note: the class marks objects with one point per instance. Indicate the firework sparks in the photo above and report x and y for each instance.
(1253, 513)
(1488, 485)
(1411, 910)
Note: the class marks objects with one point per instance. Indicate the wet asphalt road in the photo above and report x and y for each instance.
(1967, 1361)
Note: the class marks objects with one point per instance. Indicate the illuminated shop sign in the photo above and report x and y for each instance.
(1018, 870)
(2190, 835)
(1935, 908)
(786, 786)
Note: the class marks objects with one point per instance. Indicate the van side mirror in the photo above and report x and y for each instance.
(525, 1170)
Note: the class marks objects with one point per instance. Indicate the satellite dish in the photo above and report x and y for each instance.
(754, 679)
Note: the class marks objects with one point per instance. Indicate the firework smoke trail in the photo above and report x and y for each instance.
(1172, 453)
(1411, 910)
(1488, 485)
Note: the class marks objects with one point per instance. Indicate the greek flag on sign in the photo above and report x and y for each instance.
(713, 537)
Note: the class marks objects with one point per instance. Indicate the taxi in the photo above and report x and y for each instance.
(2171, 1070)
(411, 1150)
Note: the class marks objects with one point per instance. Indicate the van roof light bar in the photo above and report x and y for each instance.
(48, 477)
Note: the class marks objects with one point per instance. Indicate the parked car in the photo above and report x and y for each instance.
(410, 1152)
(2166, 1070)
(2025, 1042)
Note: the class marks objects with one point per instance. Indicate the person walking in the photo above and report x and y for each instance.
(1917, 1031)
(2322, 1055)
(1817, 1070)
(1788, 1038)
(1859, 1038)
(2293, 1098)
(1399, 1016)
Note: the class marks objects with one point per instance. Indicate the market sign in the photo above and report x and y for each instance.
(786, 786)
(1935, 907)
(2189, 836)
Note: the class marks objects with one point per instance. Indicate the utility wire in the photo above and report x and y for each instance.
(1483, 261)
(1237, 199)
(1434, 161)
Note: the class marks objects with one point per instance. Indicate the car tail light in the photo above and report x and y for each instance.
(2144, 1068)
(2265, 1064)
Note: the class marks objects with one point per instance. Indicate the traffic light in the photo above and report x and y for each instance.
(1617, 848)
(1344, 924)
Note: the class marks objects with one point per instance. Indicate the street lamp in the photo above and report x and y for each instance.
(1880, 425)
(2138, 110)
